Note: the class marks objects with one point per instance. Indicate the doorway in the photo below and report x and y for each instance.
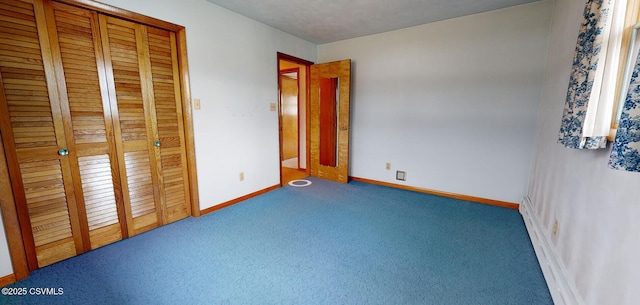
(314, 107)
(293, 80)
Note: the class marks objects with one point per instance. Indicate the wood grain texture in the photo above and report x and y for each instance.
(183, 67)
(287, 57)
(8, 279)
(304, 92)
(342, 71)
(24, 80)
(129, 99)
(328, 122)
(80, 82)
(47, 209)
(290, 174)
(151, 120)
(7, 132)
(289, 113)
(105, 89)
(76, 47)
(123, 14)
(62, 131)
(11, 223)
(141, 199)
(170, 124)
(100, 200)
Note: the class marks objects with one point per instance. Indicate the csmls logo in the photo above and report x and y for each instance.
(46, 291)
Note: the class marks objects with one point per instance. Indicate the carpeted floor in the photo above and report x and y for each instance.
(326, 243)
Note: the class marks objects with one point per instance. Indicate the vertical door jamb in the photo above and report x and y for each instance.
(306, 64)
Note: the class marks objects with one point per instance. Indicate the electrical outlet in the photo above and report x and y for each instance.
(388, 166)
(400, 175)
(196, 104)
(556, 227)
(241, 176)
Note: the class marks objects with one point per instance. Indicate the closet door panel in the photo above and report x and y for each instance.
(140, 183)
(130, 106)
(99, 198)
(168, 107)
(82, 85)
(48, 211)
(30, 109)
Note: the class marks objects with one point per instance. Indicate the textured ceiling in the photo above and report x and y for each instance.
(332, 20)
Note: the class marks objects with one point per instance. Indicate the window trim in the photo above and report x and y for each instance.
(631, 20)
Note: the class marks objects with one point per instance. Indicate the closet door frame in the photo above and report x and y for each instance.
(13, 227)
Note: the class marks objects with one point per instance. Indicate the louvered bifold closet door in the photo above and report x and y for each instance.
(31, 122)
(168, 104)
(82, 85)
(131, 95)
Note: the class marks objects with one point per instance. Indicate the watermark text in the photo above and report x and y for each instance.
(10, 291)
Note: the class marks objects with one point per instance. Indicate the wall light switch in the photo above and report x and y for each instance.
(196, 104)
(272, 106)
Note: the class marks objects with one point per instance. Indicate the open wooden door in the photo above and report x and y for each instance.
(330, 84)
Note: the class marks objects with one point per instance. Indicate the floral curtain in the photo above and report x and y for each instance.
(580, 95)
(626, 148)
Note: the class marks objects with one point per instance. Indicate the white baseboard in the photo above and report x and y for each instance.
(562, 288)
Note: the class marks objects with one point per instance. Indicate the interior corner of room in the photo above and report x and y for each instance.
(467, 106)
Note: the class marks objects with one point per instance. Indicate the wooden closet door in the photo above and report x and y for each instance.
(168, 107)
(77, 51)
(131, 98)
(33, 133)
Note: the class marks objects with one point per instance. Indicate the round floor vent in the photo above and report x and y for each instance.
(300, 183)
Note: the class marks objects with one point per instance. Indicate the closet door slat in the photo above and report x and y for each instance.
(30, 109)
(131, 104)
(170, 125)
(83, 89)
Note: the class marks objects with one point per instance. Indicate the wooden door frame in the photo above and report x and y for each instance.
(307, 64)
(13, 227)
(286, 71)
(11, 223)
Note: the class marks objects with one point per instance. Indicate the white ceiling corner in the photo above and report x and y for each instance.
(333, 20)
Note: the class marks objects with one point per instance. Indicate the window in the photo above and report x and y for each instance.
(627, 19)
(596, 77)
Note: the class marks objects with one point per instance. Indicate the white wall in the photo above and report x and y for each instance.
(6, 197)
(596, 207)
(6, 267)
(452, 103)
(233, 69)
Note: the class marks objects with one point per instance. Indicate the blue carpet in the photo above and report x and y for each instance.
(326, 243)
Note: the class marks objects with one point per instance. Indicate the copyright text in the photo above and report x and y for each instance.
(32, 291)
